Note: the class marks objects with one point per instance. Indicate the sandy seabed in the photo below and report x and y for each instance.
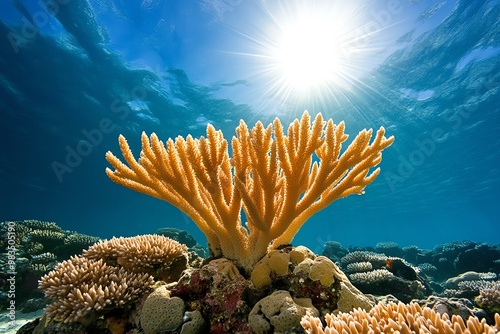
(7, 326)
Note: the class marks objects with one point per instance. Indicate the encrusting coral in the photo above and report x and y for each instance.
(272, 176)
(396, 318)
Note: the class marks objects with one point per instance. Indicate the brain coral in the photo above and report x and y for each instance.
(160, 312)
(396, 318)
(81, 289)
(274, 263)
(194, 323)
(279, 312)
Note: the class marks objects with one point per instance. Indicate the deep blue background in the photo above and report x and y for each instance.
(76, 72)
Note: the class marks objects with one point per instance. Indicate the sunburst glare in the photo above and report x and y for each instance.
(307, 54)
(309, 51)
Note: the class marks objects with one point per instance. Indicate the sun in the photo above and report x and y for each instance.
(307, 55)
(307, 50)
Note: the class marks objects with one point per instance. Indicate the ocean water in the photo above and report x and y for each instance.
(75, 74)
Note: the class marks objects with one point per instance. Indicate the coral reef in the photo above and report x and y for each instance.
(178, 235)
(73, 244)
(427, 269)
(81, 289)
(467, 289)
(272, 177)
(377, 274)
(193, 323)
(286, 285)
(396, 318)
(377, 260)
(457, 257)
(226, 298)
(31, 249)
(437, 269)
(254, 280)
(109, 281)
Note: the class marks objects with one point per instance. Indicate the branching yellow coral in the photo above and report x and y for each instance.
(272, 176)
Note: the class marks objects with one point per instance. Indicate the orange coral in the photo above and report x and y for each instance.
(396, 318)
(272, 176)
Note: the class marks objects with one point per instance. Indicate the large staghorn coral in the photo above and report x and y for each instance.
(272, 176)
(396, 318)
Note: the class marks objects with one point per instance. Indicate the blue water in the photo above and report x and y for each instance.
(76, 74)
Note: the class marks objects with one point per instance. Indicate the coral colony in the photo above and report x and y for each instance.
(271, 176)
(254, 281)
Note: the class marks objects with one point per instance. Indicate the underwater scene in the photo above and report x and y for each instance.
(249, 166)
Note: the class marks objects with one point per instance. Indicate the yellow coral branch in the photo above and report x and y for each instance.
(272, 177)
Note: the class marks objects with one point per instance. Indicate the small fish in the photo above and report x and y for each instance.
(400, 269)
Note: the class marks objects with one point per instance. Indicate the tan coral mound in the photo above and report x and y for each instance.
(279, 180)
(161, 312)
(279, 313)
(396, 318)
(138, 254)
(80, 289)
(489, 297)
